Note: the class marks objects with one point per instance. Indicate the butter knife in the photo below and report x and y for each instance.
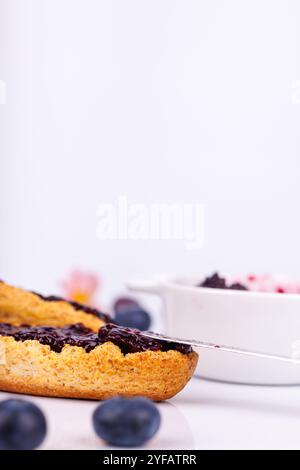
(221, 347)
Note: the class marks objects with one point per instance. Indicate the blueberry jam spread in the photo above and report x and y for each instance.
(217, 282)
(77, 306)
(128, 340)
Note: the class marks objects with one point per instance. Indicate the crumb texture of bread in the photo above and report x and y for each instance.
(19, 306)
(32, 368)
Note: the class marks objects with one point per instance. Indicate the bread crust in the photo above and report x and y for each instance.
(19, 306)
(33, 368)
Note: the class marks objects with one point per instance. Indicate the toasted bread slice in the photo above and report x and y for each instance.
(19, 306)
(33, 368)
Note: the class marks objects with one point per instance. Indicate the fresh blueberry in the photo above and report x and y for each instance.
(123, 304)
(126, 422)
(129, 313)
(137, 318)
(22, 425)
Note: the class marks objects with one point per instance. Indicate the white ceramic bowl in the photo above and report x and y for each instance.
(266, 322)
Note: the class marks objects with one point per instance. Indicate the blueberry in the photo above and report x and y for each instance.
(22, 425)
(129, 313)
(137, 318)
(124, 304)
(126, 422)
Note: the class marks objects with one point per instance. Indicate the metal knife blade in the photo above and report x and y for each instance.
(221, 347)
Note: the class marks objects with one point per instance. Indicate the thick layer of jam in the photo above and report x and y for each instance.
(56, 338)
(77, 306)
(128, 340)
(217, 282)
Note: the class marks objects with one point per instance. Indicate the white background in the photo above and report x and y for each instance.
(158, 100)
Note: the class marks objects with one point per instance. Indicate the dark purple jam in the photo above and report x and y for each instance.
(237, 286)
(214, 281)
(128, 340)
(217, 282)
(56, 338)
(77, 306)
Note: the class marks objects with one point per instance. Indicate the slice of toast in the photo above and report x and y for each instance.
(33, 368)
(21, 307)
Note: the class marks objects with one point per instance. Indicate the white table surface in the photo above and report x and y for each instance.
(205, 415)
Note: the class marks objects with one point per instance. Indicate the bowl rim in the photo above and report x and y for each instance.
(177, 281)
